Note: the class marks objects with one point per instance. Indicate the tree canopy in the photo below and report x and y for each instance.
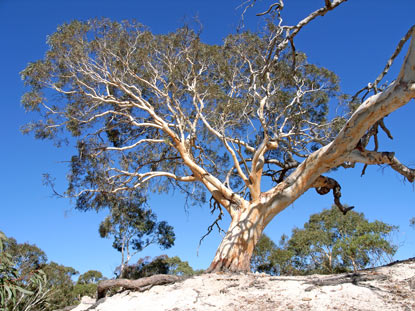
(134, 227)
(329, 243)
(167, 111)
(162, 264)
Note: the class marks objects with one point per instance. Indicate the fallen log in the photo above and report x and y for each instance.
(354, 278)
(142, 284)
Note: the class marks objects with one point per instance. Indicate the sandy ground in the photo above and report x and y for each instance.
(384, 288)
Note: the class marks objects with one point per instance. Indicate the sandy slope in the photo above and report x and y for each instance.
(384, 288)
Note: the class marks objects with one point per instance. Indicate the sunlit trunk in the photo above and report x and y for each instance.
(235, 251)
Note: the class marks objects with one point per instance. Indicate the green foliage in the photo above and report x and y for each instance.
(270, 258)
(87, 284)
(126, 66)
(90, 277)
(159, 265)
(60, 280)
(26, 257)
(21, 288)
(181, 268)
(329, 243)
(29, 282)
(133, 228)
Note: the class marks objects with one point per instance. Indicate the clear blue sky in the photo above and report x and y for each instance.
(355, 41)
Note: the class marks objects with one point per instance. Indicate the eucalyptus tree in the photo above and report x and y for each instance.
(168, 111)
(133, 228)
(271, 258)
(333, 243)
(328, 243)
(162, 264)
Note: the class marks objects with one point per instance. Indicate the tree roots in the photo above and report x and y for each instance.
(140, 285)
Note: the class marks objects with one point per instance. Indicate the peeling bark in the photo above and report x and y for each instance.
(235, 251)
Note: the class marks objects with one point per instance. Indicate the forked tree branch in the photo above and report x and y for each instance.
(292, 31)
(343, 147)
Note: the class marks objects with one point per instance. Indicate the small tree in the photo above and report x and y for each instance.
(168, 112)
(134, 228)
(162, 264)
(90, 277)
(181, 268)
(87, 284)
(272, 259)
(331, 242)
(328, 243)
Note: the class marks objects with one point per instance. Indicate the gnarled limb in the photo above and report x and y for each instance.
(137, 285)
(374, 157)
(323, 185)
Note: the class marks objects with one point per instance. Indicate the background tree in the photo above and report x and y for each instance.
(29, 282)
(21, 288)
(272, 259)
(133, 228)
(162, 264)
(181, 268)
(60, 281)
(90, 277)
(87, 284)
(26, 257)
(169, 111)
(328, 243)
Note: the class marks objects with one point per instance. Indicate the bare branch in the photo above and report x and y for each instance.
(273, 7)
(394, 55)
(292, 31)
(323, 185)
(374, 85)
(373, 157)
(214, 205)
(142, 141)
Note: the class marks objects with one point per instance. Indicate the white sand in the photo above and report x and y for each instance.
(258, 292)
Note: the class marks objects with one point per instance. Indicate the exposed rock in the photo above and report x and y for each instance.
(385, 288)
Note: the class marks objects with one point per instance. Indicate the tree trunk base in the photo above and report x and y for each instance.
(226, 266)
(140, 285)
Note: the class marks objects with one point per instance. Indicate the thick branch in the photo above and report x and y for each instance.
(374, 109)
(373, 157)
(257, 166)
